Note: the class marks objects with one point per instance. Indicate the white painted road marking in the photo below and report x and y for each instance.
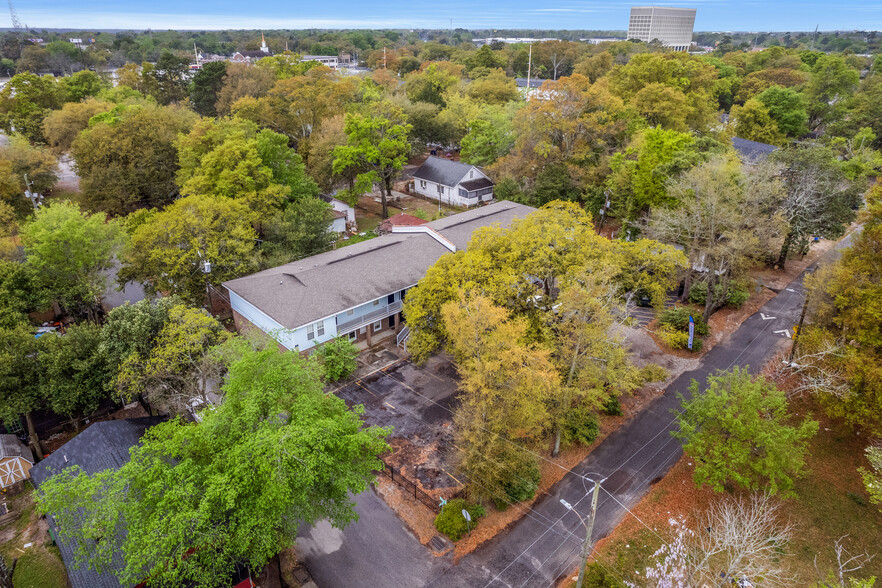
(785, 332)
(790, 289)
(767, 318)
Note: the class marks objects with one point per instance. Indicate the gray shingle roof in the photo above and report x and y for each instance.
(752, 151)
(442, 171)
(10, 446)
(301, 292)
(476, 184)
(101, 446)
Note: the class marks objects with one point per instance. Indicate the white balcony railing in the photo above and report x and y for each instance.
(373, 316)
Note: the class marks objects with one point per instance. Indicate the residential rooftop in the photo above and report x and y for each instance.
(317, 287)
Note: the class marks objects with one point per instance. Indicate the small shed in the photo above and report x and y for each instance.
(16, 461)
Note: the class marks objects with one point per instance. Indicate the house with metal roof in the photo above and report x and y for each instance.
(752, 152)
(356, 291)
(16, 460)
(452, 182)
(103, 445)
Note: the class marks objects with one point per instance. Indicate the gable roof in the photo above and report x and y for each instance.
(10, 446)
(304, 291)
(752, 151)
(102, 446)
(442, 171)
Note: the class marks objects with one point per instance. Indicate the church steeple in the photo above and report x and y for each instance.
(263, 46)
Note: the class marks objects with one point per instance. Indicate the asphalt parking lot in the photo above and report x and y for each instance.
(416, 401)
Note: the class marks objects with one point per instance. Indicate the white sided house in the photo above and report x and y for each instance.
(344, 215)
(355, 291)
(452, 182)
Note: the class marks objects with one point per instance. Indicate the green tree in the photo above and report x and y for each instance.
(19, 159)
(25, 101)
(377, 141)
(303, 229)
(430, 84)
(20, 293)
(178, 367)
(787, 109)
(634, 184)
(127, 157)
(337, 358)
(195, 500)
(495, 88)
(74, 373)
(489, 137)
(20, 392)
(131, 329)
(662, 106)
(70, 252)
(81, 85)
(171, 77)
(505, 388)
(739, 433)
(873, 477)
(754, 123)
(167, 253)
(831, 83)
(839, 353)
(206, 86)
(61, 127)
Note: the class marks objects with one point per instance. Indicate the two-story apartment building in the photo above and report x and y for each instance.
(452, 182)
(355, 291)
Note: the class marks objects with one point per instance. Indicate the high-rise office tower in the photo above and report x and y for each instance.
(671, 26)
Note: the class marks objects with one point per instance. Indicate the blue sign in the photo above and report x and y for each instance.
(691, 331)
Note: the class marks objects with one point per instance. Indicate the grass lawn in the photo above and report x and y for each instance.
(40, 567)
(366, 224)
(831, 503)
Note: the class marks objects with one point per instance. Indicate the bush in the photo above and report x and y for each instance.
(596, 576)
(451, 522)
(524, 481)
(580, 425)
(674, 339)
(736, 296)
(337, 358)
(613, 407)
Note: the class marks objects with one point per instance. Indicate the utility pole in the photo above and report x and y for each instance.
(799, 327)
(589, 528)
(814, 37)
(529, 66)
(384, 55)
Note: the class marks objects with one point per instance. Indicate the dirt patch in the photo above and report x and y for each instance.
(416, 516)
(777, 279)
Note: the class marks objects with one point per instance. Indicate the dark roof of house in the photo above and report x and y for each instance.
(102, 446)
(534, 82)
(10, 446)
(304, 291)
(752, 151)
(442, 171)
(329, 198)
(476, 184)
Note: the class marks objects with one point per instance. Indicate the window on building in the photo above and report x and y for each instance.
(352, 336)
(378, 326)
(422, 183)
(310, 332)
(392, 322)
(463, 192)
(350, 311)
(390, 298)
(376, 302)
(320, 328)
(471, 173)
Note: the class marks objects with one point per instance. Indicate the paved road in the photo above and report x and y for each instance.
(545, 544)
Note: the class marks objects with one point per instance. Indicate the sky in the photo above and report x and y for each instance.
(713, 15)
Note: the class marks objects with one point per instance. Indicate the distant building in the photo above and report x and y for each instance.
(510, 40)
(402, 219)
(671, 26)
(344, 215)
(752, 152)
(331, 61)
(452, 182)
(599, 40)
